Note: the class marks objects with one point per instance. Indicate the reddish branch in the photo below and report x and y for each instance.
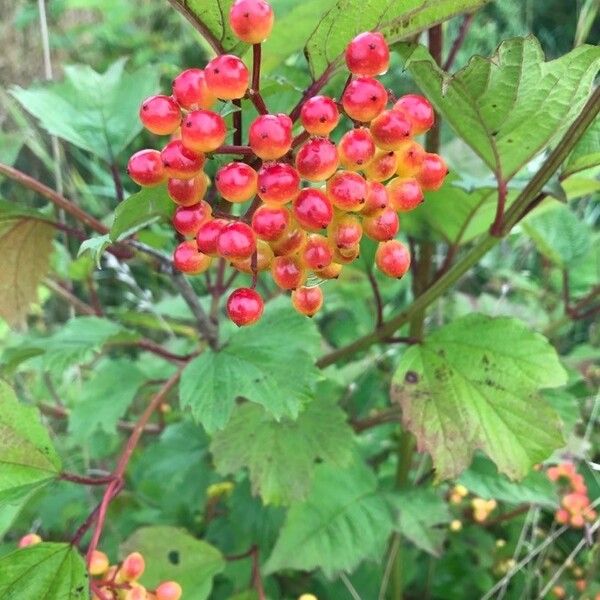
(234, 149)
(256, 580)
(576, 311)
(497, 226)
(313, 89)
(376, 296)
(85, 480)
(458, 42)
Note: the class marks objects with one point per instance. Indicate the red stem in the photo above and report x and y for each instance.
(458, 42)
(376, 296)
(86, 480)
(497, 225)
(312, 89)
(256, 48)
(234, 149)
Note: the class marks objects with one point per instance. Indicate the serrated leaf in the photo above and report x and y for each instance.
(509, 107)
(586, 153)
(344, 521)
(281, 455)
(46, 570)
(473, 385)
(270, 363)
(28, 459)
(95, 246)
(173, 554)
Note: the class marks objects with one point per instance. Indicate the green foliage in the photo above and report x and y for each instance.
(586, 153)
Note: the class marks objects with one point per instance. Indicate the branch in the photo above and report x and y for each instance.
(459, 40)
(313, 89)
(180, 5)
(86, 480)
(234, 149)
(377, 297)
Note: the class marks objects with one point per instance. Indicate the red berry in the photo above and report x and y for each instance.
(236, 241)
(191, 90)
(203, 130)
(208, 234)
(317, 253)
(392, 258)
(317, 159)
(377, 199)
(270, 136)
(345, 232)
(188, 219)
(146, 168)
(319, 115)
(181, 162)
(227, 77)
(168, 590)
(312, 209)
(30, 539)
(287, 271)
(356, 149)
(410, 158)
(382, 167)
(278, 183)
(382, 226)
(417, 111)
(404, 194)
(270, 222)
(160, 115)
(251, 20)
(264, 258)
(187, 192)
(188, 259)
(389, 129)
(245, 306)
(307, 300)
(364, 99)
(236, 181)
(347, 190)
(291, 241)
(331, 272)
(368, 54)
(433, 172)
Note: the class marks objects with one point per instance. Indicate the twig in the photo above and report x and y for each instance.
(79, 305)
(237, 126)
(181, 6)
(507, 516)
(389, 415)
(235, 148)
(377, 297)
(114, 171)
(459, 40)
(86, 480)
(313, 89)
(497, 226)
(256, 51)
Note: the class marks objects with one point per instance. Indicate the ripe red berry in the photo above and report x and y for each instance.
(345, 232)
(382, 226)
(383, 166)
(160, 115)
(331, 272)
(312, 209)
(290, 242)
(188, 219)
(208, 234)
(181, 162)
(288, 272)
(317, 253)
(433, 172)
(317, 159)
(392, 258)
(245, 306)
(30, 539)
(389, 129)
(410, 158)
(203, 130)
(187, 192)
(190, 90)
(186, 259)
(377, 199)
(356, 149)
(278, 183)
(251, 20)
(236, 181)
(168, 590)
(368, 54)
(418, 112)
(270, 136)
(307, 300)
(227, 77)
(319, 115)
(236, 241)
(364, 99)
(270, 222)
(264, 258)
(404, 194)
(146, 168)
(347, 190)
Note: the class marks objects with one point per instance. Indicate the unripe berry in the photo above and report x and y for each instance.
(331, 272)
(236, 241)
(168, 590)
(31, 539)
(181, 162)
(146, 168)
(410, 158)
(382, 167)
(98, 564)
(270, 222)
(307, 300)
(208, 234)
(382, 226)
(227, 77)
(433, 172)
(203, 131)
(251, 20)
(389, 129)
(317, 159)
(191, 90)
(393, 258)
(186, 259)
(347, 190)
(270, 136)
(136, 592)
(356, 149)
(404, 193)
(187, 192)
(288, 273)
(319, 115)
(188, 219)
(377, 199)
(345, 256)
(160, 115)
(133, 565)
(418, 112)
(264, 258)
(236, 181)
(317, 253)
(368, 54)
(345, 232)
(364, 99)
(278, 183)
(290, 242)
(312, 209)
(245, 306)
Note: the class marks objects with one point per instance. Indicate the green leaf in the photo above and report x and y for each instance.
(10, 146)
(140, 210)
(473, 385)
(50, 571)
(271, 363)
(395, 20)
(508, 108)
(95, 112)
(173, 554)
(281, 455)
(344, 521)
(95, 246)
(586, 153)
(28, 459)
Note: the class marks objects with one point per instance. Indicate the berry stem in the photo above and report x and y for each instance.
(497, 225)
(376, 296)
(116, 175)
(235, 148)
(459, 40)
(313, 89)
(86, 480)
(300, 139)
(181, 6)
(237, 125)
(256, 59)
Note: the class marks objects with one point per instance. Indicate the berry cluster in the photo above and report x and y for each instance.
(312, 200)
(575, 507)
(480, 508)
